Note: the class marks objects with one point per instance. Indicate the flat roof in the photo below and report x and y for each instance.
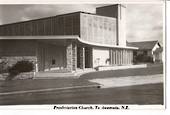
(106, 45)
(43, 18)
(64, 37)
(38, 37)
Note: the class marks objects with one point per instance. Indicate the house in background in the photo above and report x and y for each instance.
(69, 41)
(149, 51)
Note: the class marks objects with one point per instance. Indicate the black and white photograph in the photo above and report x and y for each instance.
(84, 54)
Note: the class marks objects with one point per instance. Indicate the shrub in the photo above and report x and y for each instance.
(20, 67)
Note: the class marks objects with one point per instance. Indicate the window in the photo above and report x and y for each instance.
(53, 62)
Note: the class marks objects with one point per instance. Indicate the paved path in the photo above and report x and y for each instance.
(129, 81)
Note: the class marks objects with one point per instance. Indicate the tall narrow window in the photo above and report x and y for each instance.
(53, 62)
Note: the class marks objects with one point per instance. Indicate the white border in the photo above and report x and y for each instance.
(81, 1)
(49, 107)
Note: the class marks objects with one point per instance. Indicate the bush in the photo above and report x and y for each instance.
(22, 66)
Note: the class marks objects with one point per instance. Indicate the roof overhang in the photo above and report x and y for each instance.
(38, 37)
(106, 45)
(64, 37)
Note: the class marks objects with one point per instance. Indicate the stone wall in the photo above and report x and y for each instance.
(13, 60)
(21, 76)
(71, 55)
(74, 56)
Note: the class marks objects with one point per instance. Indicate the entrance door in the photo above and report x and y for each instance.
(78, 57)
(88, 57)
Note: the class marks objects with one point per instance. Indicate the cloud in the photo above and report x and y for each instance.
(144, 22)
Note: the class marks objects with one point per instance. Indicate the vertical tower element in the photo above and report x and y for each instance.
(117, 11)
(122, 25)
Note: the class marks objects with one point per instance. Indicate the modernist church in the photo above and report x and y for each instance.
(70, 41)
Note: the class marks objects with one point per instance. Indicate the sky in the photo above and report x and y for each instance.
(144, 22)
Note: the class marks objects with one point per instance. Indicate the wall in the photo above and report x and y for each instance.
(118, 12)
(17, 47)
(149, 53)
(100, 55)
(98, 29)
(66, 24)
(112, 56)
(122, 25)
(155, 47)
(121, 56)
(12, 51)
(71, 55)
(157, 56)
(110, 11)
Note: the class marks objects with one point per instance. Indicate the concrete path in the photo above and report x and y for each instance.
(128, 81)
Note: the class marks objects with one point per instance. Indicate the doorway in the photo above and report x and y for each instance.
(88, 57)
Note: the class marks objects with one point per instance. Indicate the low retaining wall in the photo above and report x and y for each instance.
(25, 75)
(14, 59)
(121, 67)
